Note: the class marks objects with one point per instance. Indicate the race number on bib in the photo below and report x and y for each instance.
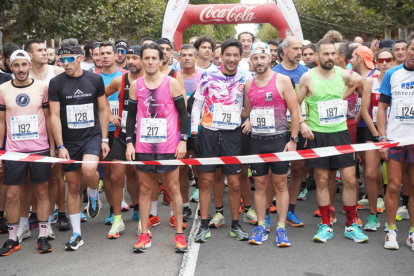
(80, 116)
(263, 121)
(153, 130)
(226, 116)
(289, 117)
(404, 111)
(332, 112)
(358, 106)
(24, 128)
(114, 105)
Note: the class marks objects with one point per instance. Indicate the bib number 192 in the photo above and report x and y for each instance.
(24, 128)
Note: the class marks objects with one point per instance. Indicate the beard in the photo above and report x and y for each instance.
(327, 67)
(51, 62)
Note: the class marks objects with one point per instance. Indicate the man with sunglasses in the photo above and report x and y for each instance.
(121, 47)
(79, 116)
(110, 71)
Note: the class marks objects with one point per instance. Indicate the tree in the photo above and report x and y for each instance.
(267, 32)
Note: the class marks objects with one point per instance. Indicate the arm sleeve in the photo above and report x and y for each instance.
(179, 103)
(385, 99)
(131, 120)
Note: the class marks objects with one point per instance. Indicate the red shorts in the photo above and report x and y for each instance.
(352, 129)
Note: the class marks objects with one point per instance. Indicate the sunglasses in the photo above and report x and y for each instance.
(68, 59)
(121, 51)
(387, 60)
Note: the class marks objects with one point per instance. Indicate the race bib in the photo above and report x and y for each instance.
(332, 111)
(24, 128)
(114, 105)
(263, 121)
(226, 116)
(358, 106)
(80, 116)
(404, 111)
(153, 130)
(289, 117)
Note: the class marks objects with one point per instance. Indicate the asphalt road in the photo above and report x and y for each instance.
(221, 255)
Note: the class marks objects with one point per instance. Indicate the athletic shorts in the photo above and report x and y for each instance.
(364, 135)
(111, 137)
(220, 143)
(118, 150)
(327, 140)
(245, 141)
(404, 154)
(78, 149)
(301, 144)
(352, 129)
(15, 172)
(155, 168)
(269, 144)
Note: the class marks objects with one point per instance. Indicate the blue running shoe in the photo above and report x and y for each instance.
(324, 233)
(267, 223)
(109, 219)
(259, 235)
(94, 206)
(354, 232)
(83, 217)
(136, 215)
(54, 216)
(282, 239)
(293, 220)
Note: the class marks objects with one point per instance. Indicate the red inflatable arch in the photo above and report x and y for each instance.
(230, 14)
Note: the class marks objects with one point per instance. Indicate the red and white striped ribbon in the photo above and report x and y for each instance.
(226, 160)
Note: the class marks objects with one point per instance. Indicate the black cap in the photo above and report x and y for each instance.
(386, 43)
(134, 50)
(121, 44)
(164, 40)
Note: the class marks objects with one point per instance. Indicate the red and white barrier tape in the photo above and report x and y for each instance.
(226, 160)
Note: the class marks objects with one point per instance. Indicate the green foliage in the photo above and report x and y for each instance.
(267, 32)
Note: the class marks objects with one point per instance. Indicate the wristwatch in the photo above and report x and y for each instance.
(183, 137)
(294, 139)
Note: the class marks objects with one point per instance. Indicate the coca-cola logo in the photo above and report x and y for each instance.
(238, 13)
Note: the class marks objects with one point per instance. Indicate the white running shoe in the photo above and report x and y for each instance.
(23, 232)
(391, 240)
(50, 235)
(402, 213)
(217, 221)
(410, 241)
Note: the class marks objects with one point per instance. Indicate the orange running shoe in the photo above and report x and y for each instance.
(160, 189)
(166, 199)
(317, 213)
(180, 244)
(144, 242)
(273, 209)
(9, 247)
(153, 221)
(173, 223)
(358, 220)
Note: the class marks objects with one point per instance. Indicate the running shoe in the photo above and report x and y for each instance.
(325, 232)
(241, 206)
(274, 200)
(259, 235)
(358, 220)
(9, 247)
(332, 217)
(250, 217)
(100, 186)
(293, 220)
(74, 243)
(4, 229)
(202, 235)
(217, 220)
(117, 227)
(180, 244)
(273, 209)
(50, 235)
(153, 221)
(166, 198)
(109, 219)
(33, 221)
(54, 216)
(136, 215)
(195, 196)
(124, 206)
(93, 207)
(391, 240)
(160, 188)
(23, 232)
(43, 246)
(410, 241)
(267, 223)
(317, 213)
(303, 194)
(139, 229)
(402, 213)
(63, 222)
(282, 239)
(380, 205)
(363, 204)
(372, 224)
(83, 217)
(173, 223)
(144, 242)
(354, 232)
(239, 233)
(187, 214)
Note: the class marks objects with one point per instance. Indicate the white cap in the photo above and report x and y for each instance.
(259, 48)
(19, 54)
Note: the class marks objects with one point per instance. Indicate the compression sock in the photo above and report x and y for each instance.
(325, 213)
(234, 223)
(350, 214)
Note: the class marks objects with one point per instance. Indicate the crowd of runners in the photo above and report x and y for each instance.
(107, 101)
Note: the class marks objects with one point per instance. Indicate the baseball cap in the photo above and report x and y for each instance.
(367, 55)
(19, 54)
(386, 43)
(259, 48)
(164, 40)
(121, 44)
(134, 50)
